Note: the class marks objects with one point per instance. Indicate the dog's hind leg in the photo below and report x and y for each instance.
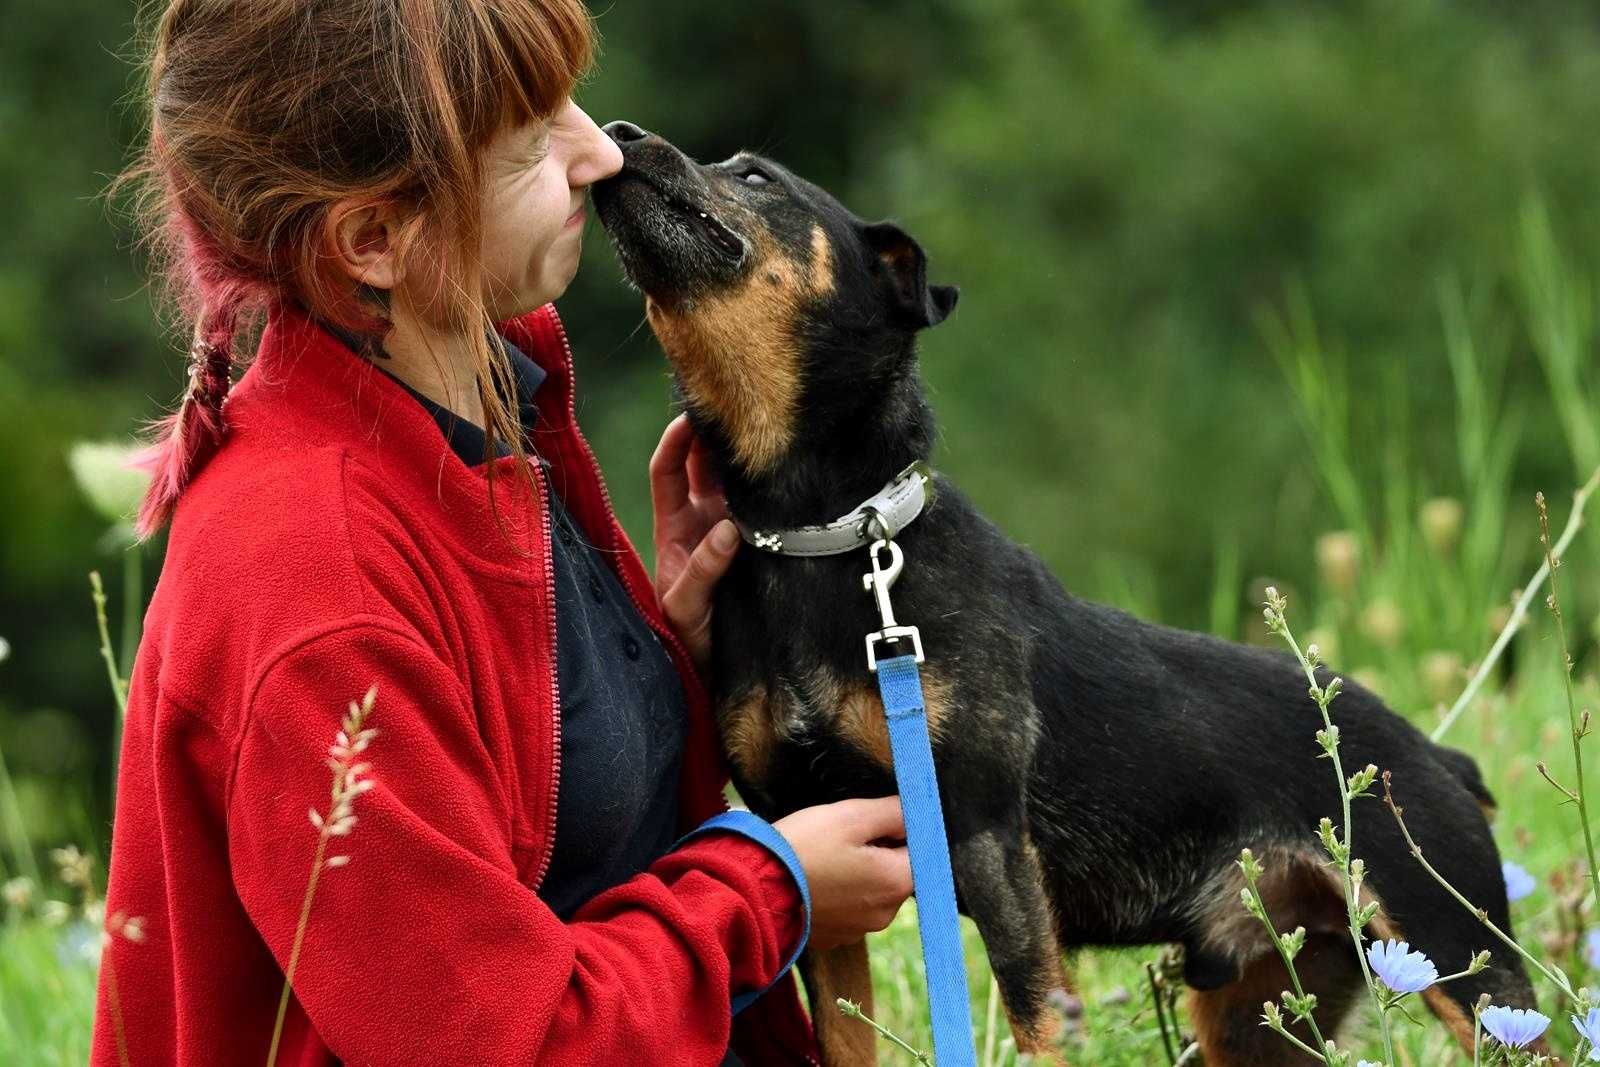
(1447, 824)
(1236, 968)
(1227, 1021)
(1001, 885)
(829, 975)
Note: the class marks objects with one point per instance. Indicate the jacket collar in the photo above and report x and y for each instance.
(309, 389)
(467, 439)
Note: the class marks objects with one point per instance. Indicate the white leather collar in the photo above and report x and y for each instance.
(882, 515)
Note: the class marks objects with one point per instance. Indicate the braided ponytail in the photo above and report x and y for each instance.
(181, 443)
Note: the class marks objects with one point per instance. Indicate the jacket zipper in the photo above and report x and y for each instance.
(664, 631)
(548, 850)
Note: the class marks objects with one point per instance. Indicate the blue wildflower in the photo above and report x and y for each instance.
(1589, 1028)
(1401, 969)
(1591, 949)
(1514, 1027)
(1519, 883)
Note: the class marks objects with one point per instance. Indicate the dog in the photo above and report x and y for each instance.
(1099, 775)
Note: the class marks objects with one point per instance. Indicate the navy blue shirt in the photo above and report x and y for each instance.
(623, 710)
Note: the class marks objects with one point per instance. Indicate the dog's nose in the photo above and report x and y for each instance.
(624, 132)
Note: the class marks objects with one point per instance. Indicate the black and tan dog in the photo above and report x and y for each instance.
(1099, 774)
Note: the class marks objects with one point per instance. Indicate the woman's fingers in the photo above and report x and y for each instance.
(879, 818)
(705, 491)
(687, 604)
(856, 885)
(669, 474)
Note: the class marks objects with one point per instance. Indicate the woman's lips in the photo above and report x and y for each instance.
(576, 218)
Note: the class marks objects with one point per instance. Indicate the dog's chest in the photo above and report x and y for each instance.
(812, 735)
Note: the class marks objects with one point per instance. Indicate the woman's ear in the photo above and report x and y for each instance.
(364, 237)
(905, 269)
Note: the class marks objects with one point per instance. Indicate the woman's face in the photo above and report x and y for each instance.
(538, 176)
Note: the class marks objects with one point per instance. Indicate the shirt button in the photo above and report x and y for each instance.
(596, 589)
(630, 645)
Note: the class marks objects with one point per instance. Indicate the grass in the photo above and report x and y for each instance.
(47, 985)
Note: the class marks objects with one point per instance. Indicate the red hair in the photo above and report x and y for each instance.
(263, 116)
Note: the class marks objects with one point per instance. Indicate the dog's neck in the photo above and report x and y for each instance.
(830, 469)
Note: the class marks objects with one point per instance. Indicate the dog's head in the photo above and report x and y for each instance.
(775, 303)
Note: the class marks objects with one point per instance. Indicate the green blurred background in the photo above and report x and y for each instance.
(1235, 274)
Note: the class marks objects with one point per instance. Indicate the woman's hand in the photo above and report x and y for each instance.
(695, 540)
(856, 864)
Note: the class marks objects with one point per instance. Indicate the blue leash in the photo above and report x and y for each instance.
(900, 684)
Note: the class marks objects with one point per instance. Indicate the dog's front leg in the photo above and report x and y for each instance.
(830, 974)
(1001, 883)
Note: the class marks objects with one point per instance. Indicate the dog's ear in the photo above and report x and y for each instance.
(905, 271)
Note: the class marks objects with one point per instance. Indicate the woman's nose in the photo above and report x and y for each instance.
(623, 131)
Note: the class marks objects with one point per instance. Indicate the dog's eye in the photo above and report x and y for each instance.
(753, 175)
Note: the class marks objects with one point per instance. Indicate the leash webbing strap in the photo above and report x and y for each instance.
(900, 683)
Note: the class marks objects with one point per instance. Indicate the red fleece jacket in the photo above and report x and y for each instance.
(333, 543)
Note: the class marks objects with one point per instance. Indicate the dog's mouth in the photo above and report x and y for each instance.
(668, 243)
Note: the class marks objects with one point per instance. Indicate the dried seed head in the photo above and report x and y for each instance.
(1443, 674)
(1441, 520)
(1339, 560)
(73, 866)
(18, 892)
(1383, 622)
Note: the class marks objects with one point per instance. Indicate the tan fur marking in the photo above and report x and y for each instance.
(821, 266)
(841, 972)
(858, 713)
(748, 733)
(1227, 1026)
(1303, 893)
(736, 352)
(1297, 889)
(1447, 1011)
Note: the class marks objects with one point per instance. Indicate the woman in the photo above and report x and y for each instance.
(395, 497)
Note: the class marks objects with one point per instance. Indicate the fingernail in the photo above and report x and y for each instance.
(725, 536)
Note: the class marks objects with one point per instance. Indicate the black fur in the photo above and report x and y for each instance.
(1138, 759)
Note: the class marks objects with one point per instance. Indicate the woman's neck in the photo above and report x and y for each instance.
(438, 364)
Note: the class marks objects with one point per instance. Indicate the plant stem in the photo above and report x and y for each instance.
(1307, 1049)
(294, 951)
(1161, 1015)
(119, 688)
(115, 1002)
(1578, 729)
(1557, 979)
(990, 1035)
(852, 1010)
(1520, 611)
(1294, 976)
(1323, 699)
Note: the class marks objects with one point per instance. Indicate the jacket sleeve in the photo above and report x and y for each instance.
(424, 947)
